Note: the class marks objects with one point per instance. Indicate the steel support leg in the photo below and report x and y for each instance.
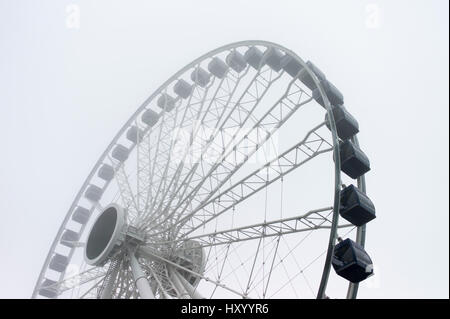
(184, 294)
(187, 286)
(142, 284)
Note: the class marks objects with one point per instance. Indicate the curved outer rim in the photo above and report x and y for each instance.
(337, 175)
(115, 237)
(360, 233)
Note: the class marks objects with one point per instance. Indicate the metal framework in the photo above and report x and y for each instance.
(192, 167)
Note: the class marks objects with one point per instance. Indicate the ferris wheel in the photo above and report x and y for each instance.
(225, 183)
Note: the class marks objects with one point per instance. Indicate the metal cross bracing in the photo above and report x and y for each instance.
(181, 170)
(92, 292)
(312, 220)
(226, 270)
(191, 115)
(311, 146)
(146, 168)
(187, 186)
(78, 280)
(106, 289)
(158, 275)
(281, 111)
(59, 241)
(214, 113)
(123, 283)
(302, 148)
(161, 155)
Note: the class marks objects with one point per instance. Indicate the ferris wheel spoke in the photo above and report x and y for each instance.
(195, 102)
(215, 116)
(312, 220)
(144, 152)
(158, 279)
(294, 276)
(289, 277)
(219, 275)
(212, 115)
(228, 134)
(302, 270)
(239, 122)
(224, 259)
(220, 123)
(168, 124)
(269, 276)
(242, 264)
(190, 115)
(310, 147)
(128, 287)
(167, 180)
(193, 137)
(281, 111)
(126, 193)
(162, 165)
(145, 170)
(150, 162)
(123, 282)
(299, 266)
(260, 269)
(77, 280)
(91, 292)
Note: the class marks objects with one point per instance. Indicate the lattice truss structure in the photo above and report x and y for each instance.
(186, 167)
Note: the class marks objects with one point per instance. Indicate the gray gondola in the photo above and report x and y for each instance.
(355, 206)
(346, 125)
(48, 289)
(69, 238)
(134, 133)
(120, 153)
(218, 68)
(291, 65)
(333, 94)
(236, 61)
(81, 215)
(254, 56)
(200, 77)
(150, 117)
(106, 172)
(308, 80)
(354, 162)
(59, 263)
(93, 193)
(274, 58)
(166, 102)
(182, 89)
(351, 261)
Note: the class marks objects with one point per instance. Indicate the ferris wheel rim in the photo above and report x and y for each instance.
(158, 91)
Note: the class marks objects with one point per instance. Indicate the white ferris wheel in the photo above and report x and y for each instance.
(225, 183)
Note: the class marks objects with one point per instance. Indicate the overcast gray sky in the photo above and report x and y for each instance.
(66, 90)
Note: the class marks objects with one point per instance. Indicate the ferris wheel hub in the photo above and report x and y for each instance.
(108, 235)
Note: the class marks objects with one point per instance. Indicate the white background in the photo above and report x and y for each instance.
(66, 88)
